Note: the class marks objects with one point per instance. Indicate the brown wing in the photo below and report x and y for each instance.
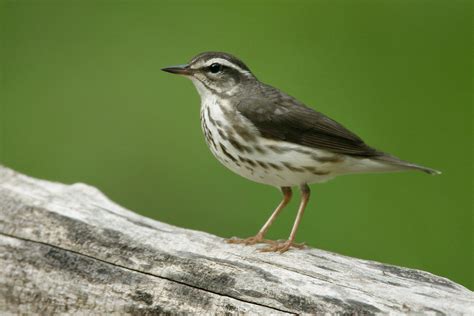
(281, 117)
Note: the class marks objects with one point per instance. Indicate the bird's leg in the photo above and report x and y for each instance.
(285, 245)
(259, 238)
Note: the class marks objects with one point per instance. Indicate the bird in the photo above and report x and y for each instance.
(269, 137)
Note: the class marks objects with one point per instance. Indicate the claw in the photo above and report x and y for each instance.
(274, 245)
(282, 246)
(248, 241)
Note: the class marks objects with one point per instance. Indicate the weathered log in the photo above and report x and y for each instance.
(69, 249)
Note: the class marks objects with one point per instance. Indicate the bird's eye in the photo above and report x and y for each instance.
(215, 68)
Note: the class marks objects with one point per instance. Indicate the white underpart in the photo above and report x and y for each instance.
(204, 93)
(271, 176)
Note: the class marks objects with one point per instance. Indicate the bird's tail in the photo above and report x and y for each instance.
(394, 161)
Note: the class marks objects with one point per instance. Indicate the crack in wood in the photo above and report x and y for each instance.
(121, 262)
(145, 273)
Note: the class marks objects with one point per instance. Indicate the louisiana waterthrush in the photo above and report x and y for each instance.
(267, 136)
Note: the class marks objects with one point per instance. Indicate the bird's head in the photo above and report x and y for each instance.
(215, 73)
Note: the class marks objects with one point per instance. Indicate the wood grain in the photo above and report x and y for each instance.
(69, 249)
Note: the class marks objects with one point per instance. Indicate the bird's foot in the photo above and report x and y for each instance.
(249, 241)
(282, 246)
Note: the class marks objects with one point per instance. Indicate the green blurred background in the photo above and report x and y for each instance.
(83, 100)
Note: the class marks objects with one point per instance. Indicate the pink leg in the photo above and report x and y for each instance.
(284, 246)
(287, 193)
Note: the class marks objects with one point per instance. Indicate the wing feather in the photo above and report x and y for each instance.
(279, 116)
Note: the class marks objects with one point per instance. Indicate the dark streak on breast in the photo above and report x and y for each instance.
(261, 164)
(222, 134)
(274, 166)
(260, 149)
(315, 171)
(247, 161)
(279, 149)
(291, 167)
(212, 120)
(225, 152)
(239, 146)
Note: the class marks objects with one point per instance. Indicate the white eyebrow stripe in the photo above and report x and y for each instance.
(225, 62)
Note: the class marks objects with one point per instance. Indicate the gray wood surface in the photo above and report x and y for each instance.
(69, 249)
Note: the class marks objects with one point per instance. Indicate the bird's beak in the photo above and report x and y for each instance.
(179, 70)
